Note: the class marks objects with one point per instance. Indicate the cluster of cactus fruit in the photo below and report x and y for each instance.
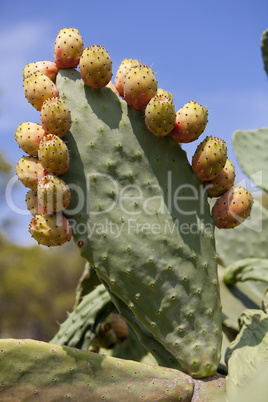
(48, 155)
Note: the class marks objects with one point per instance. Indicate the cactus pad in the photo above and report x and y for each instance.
(139, 219)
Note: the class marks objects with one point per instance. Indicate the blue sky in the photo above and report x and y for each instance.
(207, 51)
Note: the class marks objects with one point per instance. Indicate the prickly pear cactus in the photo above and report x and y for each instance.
(144, 224)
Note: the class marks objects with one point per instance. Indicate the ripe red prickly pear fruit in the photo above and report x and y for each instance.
(55, 117)
(95, 66)
(162, 92)
(68, 48)
(29, 170)
(33, 204)
(160, 116)
(232, 208)
(191, 121)
(28, 136)
(209, 158)
(53, 193)
(140, 87)
(122, 71)
(53, 154)
(37, 88)
(223, 182)
(49, 68)
(50, 230)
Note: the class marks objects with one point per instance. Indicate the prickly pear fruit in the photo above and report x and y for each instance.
(55, 116)
(53, 193)
(122, 71)
(68, 48)
(223, 182)
(28, 136)
(232, 208)
(37, 88)
(49, 68)
(191, 121)
(29, 170)
(113, 331)
(50, 230)
(33, 204)
(53, 154)
(209, 158)
(162, 92)
(140, 87)
(95, 66)
(160, 115)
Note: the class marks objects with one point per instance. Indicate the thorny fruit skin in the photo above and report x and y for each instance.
(37, 88)
(55, 117)
(160, 115)
(122, 71)
(140, 87)
(50, 230)
(232, 208)
(53, 154)
(53, 193)
(28, 136)
(191, 121)
(209, 158)
(29, 171)
(33, 205)
(223, 182)
(162, 92)
(49, 68)
(68, 48)
(96, 66)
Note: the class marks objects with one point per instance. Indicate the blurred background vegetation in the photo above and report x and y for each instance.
(37, 284)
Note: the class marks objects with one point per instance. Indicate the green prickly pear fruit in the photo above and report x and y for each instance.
(29, 170)
(33, 204)
(53, 193)
(162, 92)
(232, 208)
(28, 136)
(140, 87)
(95, 66)
(49, 68)
(68, 48)
(50, 230)
(55, 117)
(53, 154)
(160, 115)
(223, 182)
(191, 121)
(122, 71)
(37, 88)
(209, 158)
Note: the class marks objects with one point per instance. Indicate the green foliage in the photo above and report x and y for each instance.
(251, 148)
(247, 269)
(36, 288)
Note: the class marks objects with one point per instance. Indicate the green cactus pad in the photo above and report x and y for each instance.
(251, 148)
(247, 269)
(32, 370)
(247, 359)
(264, 49)
(138, 190)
